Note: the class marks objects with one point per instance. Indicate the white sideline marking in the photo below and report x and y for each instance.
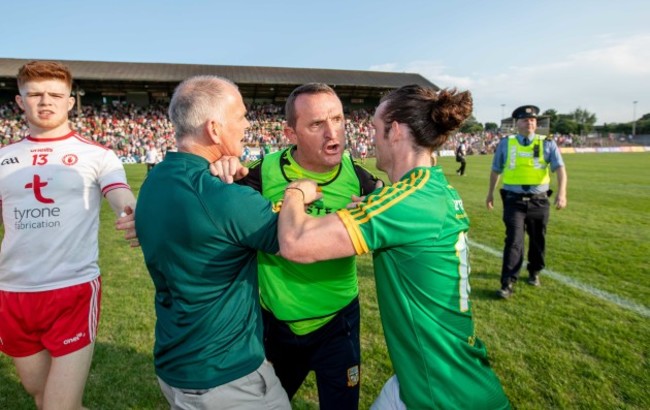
(601, 294)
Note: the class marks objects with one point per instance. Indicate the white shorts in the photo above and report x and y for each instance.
(260, 389)
(388, 398)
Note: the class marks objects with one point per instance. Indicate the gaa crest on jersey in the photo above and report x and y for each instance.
(69, 159)
(9, 161)
(353, 376)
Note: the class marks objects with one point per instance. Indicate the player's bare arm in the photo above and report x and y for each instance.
(122, 202)
(305, 239)
(119, 199)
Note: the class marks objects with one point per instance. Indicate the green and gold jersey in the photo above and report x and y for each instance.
(306, 296)
(417, 229)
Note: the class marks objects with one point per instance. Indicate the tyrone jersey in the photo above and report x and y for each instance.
(51, 192)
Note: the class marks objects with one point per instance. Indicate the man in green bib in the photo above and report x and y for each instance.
(311, 312)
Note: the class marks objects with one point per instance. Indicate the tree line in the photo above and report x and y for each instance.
(578, 122)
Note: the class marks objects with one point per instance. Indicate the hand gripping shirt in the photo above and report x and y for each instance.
(307, 296)
(51, 192)
(200, 238)
(417, 230)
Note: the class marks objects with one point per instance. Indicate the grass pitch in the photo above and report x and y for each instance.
(579, 341)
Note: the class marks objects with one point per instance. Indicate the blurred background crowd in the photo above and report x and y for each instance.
(131, 130)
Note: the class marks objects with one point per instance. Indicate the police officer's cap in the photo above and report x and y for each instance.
(525, 111)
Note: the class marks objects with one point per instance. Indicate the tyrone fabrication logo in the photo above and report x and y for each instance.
(40, 217)
(36, 185)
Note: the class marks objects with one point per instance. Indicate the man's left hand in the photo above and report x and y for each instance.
(126, 223)
(228, 169)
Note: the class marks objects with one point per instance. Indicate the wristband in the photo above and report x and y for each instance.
(295, 187)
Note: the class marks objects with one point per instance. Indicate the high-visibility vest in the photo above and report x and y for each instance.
(526, 165)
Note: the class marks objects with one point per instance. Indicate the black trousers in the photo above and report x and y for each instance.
(333, 352)
(461, 169)
(523, 214)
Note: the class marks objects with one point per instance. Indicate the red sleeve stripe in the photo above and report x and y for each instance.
(111, 187)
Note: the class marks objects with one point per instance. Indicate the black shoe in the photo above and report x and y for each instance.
(506, 291)
(533, 279)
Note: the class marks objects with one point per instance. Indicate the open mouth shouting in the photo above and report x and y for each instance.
(332, 148)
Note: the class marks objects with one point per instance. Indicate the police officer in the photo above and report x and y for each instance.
(525, 160)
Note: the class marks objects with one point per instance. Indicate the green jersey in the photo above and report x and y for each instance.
(200, 238)
(306, 296)
(417, 229)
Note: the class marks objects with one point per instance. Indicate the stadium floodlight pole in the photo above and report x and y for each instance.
(502, 115)
(634, 118)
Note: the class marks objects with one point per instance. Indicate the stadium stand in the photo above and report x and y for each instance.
(149, 83)
(124, 105)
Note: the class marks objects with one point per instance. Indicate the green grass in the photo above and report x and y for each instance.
(552, 347)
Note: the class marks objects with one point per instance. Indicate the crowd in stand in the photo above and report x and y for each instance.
(130, 130)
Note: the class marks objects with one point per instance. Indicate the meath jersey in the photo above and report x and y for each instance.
(417, 230)
(306, 296)
(51, 192)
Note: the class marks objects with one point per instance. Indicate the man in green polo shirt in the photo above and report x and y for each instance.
(417, 230)
(200, 238)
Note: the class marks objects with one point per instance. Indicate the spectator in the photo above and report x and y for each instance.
(461, 152)
(151, 157)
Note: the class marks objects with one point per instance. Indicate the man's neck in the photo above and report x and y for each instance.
(190, 146)
(409, 161)
(43, 134)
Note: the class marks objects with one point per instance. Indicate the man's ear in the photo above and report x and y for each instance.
(71, 102)
(290, 133)
(395, 133)
(19, 101)
(213, 129)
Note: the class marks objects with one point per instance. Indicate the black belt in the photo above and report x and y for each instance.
(527, 197)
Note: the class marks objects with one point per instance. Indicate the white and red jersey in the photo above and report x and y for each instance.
(51, 192)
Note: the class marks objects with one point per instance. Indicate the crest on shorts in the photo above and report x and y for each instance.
(353, 376)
